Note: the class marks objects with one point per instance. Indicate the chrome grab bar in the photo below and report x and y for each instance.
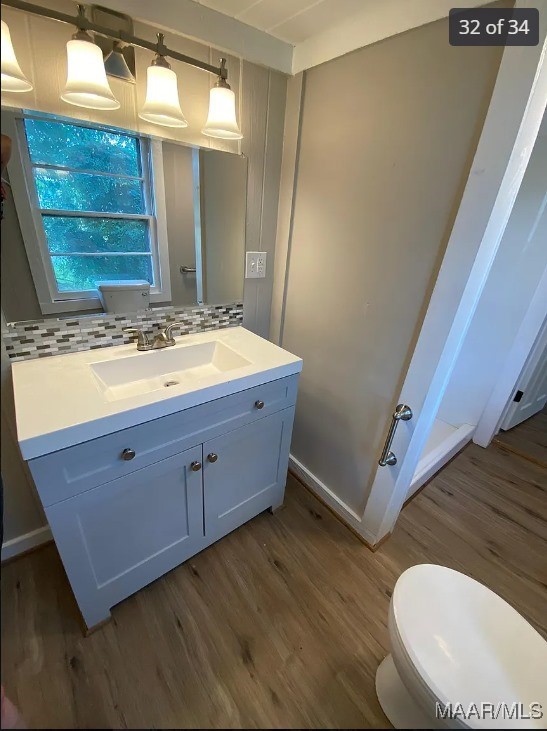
(187, 270)
(402, 413)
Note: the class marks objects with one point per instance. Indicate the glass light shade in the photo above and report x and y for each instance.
(221, 121)
(162, 104)
(86, 82)
(116, 65)
(13, 79)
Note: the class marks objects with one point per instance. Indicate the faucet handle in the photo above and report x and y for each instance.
(168, 330)
(142, 338)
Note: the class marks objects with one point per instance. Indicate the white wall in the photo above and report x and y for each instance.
(40, 45)
(513, 279)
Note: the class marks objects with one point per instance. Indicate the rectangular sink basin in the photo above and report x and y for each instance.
(157, 369)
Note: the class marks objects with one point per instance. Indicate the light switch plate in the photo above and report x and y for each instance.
(255, 264)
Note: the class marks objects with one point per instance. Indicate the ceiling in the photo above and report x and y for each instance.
(292, 21)
(288, 35)
(320, 30)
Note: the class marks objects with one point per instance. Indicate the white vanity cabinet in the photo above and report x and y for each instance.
(118, 537)
(244, 472)
(129, 506)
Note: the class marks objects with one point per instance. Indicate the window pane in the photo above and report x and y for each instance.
(74, 273)
(55, 143)
(82, 192)
(66, 235)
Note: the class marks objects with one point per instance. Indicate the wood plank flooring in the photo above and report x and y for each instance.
(528, 439)
(281, 624)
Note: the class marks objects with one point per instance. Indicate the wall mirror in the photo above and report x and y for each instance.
(88, 203)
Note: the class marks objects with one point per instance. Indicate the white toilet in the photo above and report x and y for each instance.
(125, 296)
(453, 641)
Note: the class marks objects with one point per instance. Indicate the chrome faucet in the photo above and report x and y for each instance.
(164, 340)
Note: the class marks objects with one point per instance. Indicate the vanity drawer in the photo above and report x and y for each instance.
(70, 471)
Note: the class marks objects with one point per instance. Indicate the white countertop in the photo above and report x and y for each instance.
(59, 402)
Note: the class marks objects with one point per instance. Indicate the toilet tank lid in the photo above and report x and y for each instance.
(113, 285)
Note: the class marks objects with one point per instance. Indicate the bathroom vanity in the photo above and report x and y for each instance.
(141, 460)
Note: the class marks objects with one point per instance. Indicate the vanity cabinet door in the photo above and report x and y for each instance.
(244, 472)
(116, 538)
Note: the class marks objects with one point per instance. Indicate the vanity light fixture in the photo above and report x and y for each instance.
(221, 120)
(116, 65)
(162, 104)
(87, 83)
(13, 79)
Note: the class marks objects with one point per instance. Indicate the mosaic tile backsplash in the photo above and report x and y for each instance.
(43, 338)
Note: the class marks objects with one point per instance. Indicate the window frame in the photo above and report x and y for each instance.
(25, 197)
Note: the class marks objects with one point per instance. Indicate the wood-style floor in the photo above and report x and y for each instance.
(280, 624)
(528, 439)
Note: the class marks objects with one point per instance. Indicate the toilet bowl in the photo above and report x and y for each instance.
(456, 645)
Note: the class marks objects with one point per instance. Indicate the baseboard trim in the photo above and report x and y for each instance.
(91, 630)
(337, 507)
(16, 547)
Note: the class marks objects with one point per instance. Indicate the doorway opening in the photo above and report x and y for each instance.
(516, 274)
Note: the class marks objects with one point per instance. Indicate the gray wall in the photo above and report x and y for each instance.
(179, 206)
(19, 300)
(261, 98)
(222, 225)
(387, 137)
(22, 510)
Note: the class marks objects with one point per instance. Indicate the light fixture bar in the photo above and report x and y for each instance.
(82, 22)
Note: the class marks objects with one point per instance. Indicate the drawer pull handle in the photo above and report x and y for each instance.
(128, 454)
(212, 457)
(259, 404)
(195, 466)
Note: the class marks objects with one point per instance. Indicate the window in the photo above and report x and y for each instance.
(94, 209)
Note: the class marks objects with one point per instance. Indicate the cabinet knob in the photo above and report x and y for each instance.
(212, 457)
(259, 404)
(128, 454)
(195, 466)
